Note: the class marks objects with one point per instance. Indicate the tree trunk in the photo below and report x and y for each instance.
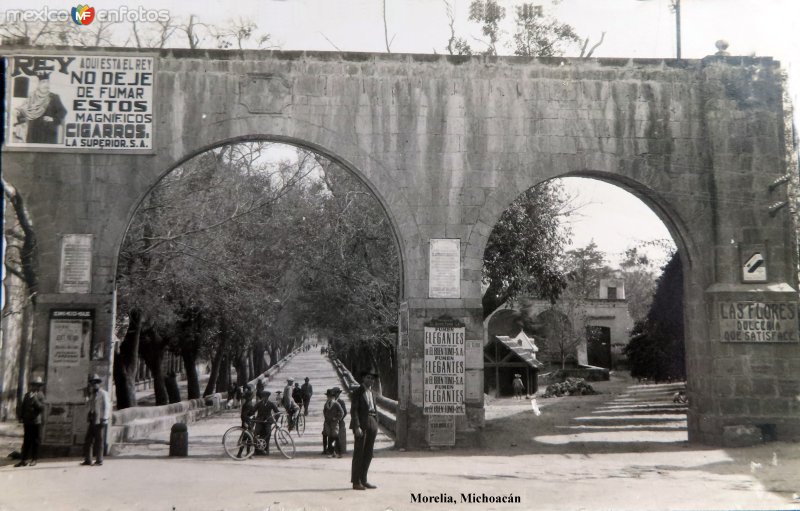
(258, 358)
(151, 348)
(211, 387)
(242, 375)
(23, 356)
(173, 390)
(28, 273)
(224, 377)
(126, 363)
(189, 356)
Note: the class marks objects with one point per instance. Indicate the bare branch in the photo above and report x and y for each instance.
(386, 31)
(591, 51)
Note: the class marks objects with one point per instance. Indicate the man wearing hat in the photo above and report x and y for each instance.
(292, 410)
(518, 386)
(308, 391)
(364, 423)
(265, 415)
(99, 407)
(287, 392)
(248, 407)
(31, 416)
(333, 415)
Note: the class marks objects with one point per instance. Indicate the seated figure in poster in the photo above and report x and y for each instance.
(40, 117)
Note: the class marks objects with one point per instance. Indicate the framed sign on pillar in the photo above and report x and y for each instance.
(444, 268)
(444, 375)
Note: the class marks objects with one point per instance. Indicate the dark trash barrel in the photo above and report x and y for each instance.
(179, 440)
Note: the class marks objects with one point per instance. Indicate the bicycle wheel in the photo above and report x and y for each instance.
(300, 426)
(284, 442)
(238, 443)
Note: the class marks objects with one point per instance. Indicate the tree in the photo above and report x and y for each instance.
(585, 267)
(640, 282)
(656, 349)
(535, 35)
(194, 254)
(455, 45)
(190, 32)
(20, 286)
(489, 14)
(233, 254)
(538, 36)
(523, 248)
(350, 283)
(564, 328)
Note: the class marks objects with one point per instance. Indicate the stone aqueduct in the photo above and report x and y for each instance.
(446, 143)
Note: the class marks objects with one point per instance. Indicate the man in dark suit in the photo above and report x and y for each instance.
(31, 415)
(364, 423)
(265, 415)
(308, 391)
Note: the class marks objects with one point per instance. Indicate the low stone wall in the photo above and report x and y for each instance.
(587, 372)
(387, 408)
(139, 422)
(274, 370)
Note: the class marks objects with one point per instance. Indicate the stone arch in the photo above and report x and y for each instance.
(502, 197)
(388, 209)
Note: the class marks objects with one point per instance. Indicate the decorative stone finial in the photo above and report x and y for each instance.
(722, 45)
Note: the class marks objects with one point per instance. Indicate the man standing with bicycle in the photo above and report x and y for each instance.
(265, 418)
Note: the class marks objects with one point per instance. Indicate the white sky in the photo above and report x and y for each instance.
(634, 28)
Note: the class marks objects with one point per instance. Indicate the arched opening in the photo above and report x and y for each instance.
(582, 291)
(246, 251)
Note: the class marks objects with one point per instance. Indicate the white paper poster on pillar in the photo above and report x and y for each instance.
(444, 271)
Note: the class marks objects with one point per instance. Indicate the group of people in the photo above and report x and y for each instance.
(363, 419)
(98, 410)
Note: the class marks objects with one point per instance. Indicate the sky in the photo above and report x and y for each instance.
(633, 28)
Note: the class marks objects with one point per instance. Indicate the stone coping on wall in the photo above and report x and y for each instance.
(216, 54)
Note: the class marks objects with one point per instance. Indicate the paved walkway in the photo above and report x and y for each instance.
(205, 437)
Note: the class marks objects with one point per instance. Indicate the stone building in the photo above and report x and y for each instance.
(607, 323)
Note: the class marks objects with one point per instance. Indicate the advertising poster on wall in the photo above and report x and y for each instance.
(80, 102)
(441, 430)
(758, 322)
(444, 280)
(70, 345)
(444, 367)
(58, 429)
(75, 274)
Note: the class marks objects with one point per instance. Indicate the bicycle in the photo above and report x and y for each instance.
(299, 423)
(240, 443)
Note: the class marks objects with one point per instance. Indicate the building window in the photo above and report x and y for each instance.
(612, 293)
